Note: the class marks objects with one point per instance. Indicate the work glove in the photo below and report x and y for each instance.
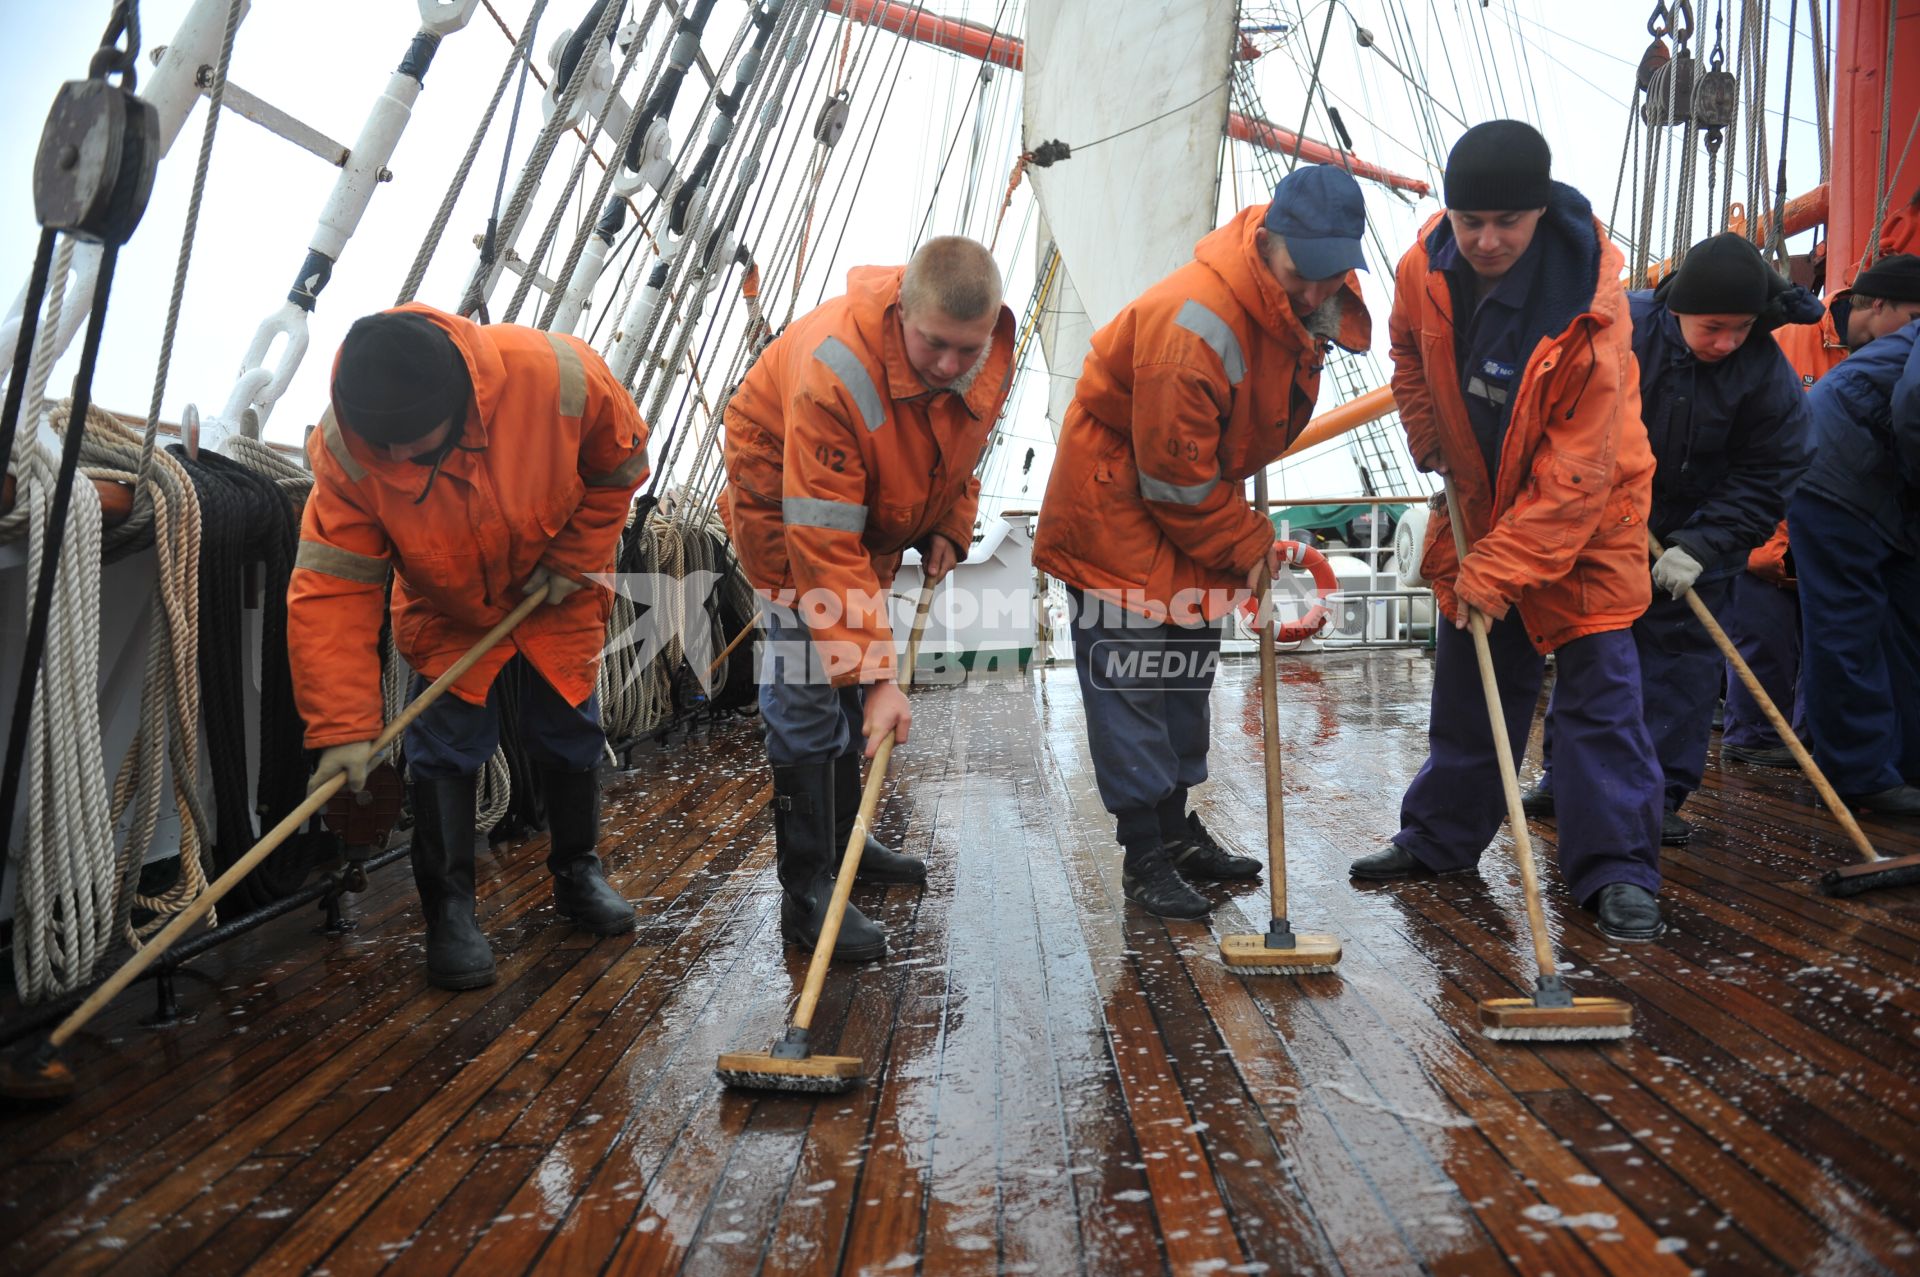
(351, 758)
(1675, 571)
(543, 577)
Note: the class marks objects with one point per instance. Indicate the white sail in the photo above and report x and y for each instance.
(1139, 92)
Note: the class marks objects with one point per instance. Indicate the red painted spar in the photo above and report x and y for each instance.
(987, 45)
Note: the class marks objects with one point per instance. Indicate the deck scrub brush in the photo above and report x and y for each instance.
(1280, 951)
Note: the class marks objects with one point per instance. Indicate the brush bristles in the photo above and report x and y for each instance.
(1311, 954)
(1559, 1033)
(811, 1074)
(746, 1079)
(1321, 968)
(1877, 876)
(1587, 1020)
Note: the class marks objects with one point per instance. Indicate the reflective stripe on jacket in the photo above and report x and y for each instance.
(547, 462)
(839, 457)
(1202, 381)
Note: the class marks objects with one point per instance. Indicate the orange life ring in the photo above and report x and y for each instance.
(1325, 586)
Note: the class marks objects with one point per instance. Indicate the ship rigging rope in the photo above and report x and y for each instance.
(66, 880)
(692, 269)
(564, 275)
(215, 96)
(169, 732)
(704, 234)
(522, 49)
(1871, 253)
(563, 278)
(246, 521)
(536, 163)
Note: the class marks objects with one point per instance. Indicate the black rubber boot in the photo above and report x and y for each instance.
(442, 854)
(878, 862)
(1674, 832)
(807, 857)
(580, 890)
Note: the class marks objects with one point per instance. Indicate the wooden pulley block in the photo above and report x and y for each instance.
(95, 167)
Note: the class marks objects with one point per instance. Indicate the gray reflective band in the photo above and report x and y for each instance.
(337, 445)
(846, 365)
(1494, 394)
(1190, 494)
(813, 512)
(363, 569)
(573, 377)
(630, 472)
(1213, 330)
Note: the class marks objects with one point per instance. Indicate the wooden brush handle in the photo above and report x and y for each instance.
(203, 903)
(1270, 722)
(1781, 726)
(1503, 750)
(856, 841)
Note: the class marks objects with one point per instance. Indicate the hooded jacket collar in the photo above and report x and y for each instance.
(873, 308)
(1572, 257)
(1232, 252)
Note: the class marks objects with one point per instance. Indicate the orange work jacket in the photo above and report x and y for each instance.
(839, 457)
(1563, 534)
(1203, 380)
(548, 459)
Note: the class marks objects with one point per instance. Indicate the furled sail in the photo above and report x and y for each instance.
(1139, 92)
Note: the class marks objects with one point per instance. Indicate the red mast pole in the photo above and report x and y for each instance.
(1859, 96)
(987, 45)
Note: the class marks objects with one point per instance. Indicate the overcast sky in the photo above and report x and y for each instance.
(1567, 67)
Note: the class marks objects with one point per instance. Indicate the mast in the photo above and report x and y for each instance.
(1859, 108)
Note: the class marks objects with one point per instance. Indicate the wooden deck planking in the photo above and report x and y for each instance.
(1057, 1083)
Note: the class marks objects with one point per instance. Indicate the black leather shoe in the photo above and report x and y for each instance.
(1538, 801)
(1901, 800)
(580, 890)
(878, 862)
(1150, 881)
(1385, 866)
(1674, 832)
(1200, 859)
(442, 854)
(1628, 912)
(806, 859)
(1774, 756)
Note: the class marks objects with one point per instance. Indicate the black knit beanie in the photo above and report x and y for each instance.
(1724, 275)
(1499, 166)
(399, 376)
(1895, 278)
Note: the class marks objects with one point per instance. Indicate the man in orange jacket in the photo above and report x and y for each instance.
(477, 465)
(1198, 384)
(853, 437)
(1515, 375)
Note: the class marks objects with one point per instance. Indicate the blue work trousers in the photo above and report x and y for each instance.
(452, 738)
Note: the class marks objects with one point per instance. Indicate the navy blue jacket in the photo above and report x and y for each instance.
(1867, 454)
(1730, 439)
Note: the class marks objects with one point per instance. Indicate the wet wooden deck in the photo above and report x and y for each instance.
(1057, 1085)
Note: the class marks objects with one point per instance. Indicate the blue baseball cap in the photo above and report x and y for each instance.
(1319, 214)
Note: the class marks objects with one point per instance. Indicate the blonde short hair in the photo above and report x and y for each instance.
(956, 274)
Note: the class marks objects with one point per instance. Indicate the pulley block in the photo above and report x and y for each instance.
(832, 120)
(98, 153)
